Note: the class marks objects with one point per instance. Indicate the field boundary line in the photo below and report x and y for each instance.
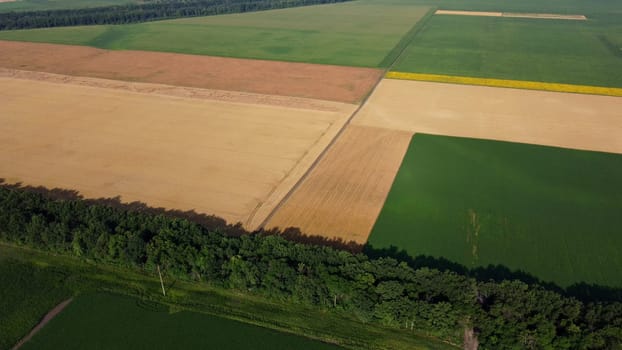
(45, 320)
(504, 83)
(396, 52)
(322, 154)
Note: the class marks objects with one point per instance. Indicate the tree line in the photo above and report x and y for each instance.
(142, 12)
(503, 315)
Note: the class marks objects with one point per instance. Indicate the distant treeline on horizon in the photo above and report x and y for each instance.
(149, 11)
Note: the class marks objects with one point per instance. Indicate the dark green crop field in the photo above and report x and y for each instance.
(560, 51)
(28, 292)
(106, 321)
(359, 33)
(551, 212)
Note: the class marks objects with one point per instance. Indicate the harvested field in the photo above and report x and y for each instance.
(343, 195)
(178, 91)
(587, 122)
(233, 160)
(343, 84)
(512, 15)
(469, 13)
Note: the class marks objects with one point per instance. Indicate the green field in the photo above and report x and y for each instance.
(27, 5)
(28, 292)
(551, 212)
(33, 290)
(357, 33)
(573, 52)
(105, 321)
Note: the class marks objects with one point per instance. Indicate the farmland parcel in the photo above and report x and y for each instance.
(562, 51)
(125, 323)
(585, 122)
(344, 84)
(235, 160)
(342, 196)
(550, 212)
(357, 33)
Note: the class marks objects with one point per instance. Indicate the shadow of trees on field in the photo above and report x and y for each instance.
(211, 222)
(583, 291)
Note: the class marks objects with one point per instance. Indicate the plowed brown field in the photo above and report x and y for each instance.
(343, 195)
(324, 82)
(234, 160)
(577, 121)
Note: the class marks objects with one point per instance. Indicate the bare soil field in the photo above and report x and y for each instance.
(511, 15)
(324, 82)
(180, 91)
(587, 122)
(343, 195)
(234, 160)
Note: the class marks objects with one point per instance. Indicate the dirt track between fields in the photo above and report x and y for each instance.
(343, 195)
(577, 121)
(234, 160)
(512, 15)
(45, 320)
(324, 82)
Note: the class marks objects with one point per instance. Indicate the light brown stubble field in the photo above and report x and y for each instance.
(233, 160)
(324, 82)
(576, 121)
(343, 195)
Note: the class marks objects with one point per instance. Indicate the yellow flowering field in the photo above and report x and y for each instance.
(518, 84)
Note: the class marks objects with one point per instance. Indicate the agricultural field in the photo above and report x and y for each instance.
(112, 142)
(587, 122)
(125, 323)
(324, 82)
(29, 292)
(343, 194)
(31, 5)
(551, 212)
(360, 33)
(562, 51)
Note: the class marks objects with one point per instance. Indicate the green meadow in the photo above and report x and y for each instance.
(106, 321)
(561, 51)
(551, 212)
(360, 33)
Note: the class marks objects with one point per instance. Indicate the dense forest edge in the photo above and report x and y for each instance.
(372, 287)
(142, 12)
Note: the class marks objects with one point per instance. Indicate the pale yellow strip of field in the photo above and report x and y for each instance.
(469, 13)
(514, 84)
(342, 196)
(234, 160)
(588, 122)
(511, 15)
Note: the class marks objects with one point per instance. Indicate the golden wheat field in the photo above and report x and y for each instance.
(576, 121)
(234, 160)
(343, 195)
